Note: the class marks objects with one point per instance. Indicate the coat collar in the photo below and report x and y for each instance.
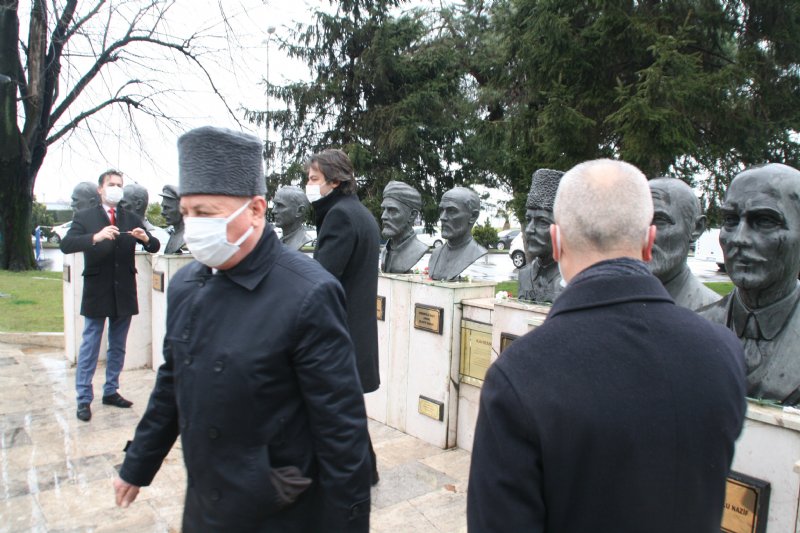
(323, 205)
(254, 267)
(599, 291)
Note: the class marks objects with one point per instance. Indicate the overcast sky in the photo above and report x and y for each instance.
(84, 155)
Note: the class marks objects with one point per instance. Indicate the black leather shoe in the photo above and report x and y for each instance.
(84, 413)
(116, 400)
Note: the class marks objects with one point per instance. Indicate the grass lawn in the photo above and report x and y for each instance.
(720, 287)
(31, 301)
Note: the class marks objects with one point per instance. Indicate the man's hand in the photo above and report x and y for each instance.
(124, 492)
(109, 232)
(140, 234)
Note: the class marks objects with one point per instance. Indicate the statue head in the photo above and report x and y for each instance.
(134, 199)
(760, 234)
(459, 209)
(539, 213)
(171, 205)
(401, 206)
(603, 210)
(290, 208)
(85, 195)
(678, 222)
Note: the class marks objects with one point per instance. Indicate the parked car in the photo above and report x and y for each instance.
(58, 232)
(707, 248)
(505, 237)
(516, 251)
(433, 239)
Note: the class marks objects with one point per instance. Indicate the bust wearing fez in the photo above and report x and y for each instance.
(170, 209)
(540, 281)
(458, 212)
(290, 210)
(760, 240)
(84, 196)
(401, 206)
(678, 222)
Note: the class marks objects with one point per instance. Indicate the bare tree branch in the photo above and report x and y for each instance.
(85, 114)
(78, 24)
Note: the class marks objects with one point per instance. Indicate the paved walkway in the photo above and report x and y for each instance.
(56, 472)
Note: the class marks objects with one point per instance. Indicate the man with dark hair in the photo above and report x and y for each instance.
(259, 375)
(107, 236)
(348, 246)
(621, 411)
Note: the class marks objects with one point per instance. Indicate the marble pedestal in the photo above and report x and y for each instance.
(138, 348)
(769, 449)
(164, 267)
(417, 363)
(509, 319)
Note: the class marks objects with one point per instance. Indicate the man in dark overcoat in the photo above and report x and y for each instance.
(259, 377)
(107, 236)
(620, 412)
(348, 246)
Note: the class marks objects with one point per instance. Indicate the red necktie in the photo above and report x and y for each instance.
(112, 217)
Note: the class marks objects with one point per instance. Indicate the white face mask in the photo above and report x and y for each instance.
(207, 238)
(113, 194)
(313, 193)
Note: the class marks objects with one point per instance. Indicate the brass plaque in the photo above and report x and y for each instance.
(431, 408)
(428, 318)
(381, 307)
(67, 273)
(476, 349)
(158, 281)
(505, 340)
(746, 504)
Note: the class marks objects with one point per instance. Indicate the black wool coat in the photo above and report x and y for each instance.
(259, 375)
(348, 246)
(109, 271)
(619, 413)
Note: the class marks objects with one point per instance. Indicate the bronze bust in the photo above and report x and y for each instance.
(540, 281)
(84, 196)
(290, 209)
(678, 222)
(760, 240)
(170, 208)
(458, 211)
(400, 208)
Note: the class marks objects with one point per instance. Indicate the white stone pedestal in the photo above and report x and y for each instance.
(769, 449)
(164, 267)
(138, 348)
(508, 318)
(418, 363)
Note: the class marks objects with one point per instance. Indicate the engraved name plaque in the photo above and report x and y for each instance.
(431, 408)
(746, 504)
(428, 318)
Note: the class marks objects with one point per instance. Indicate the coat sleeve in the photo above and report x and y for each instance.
(157, 430)
(335, 243)
(79, 236)
(324, 362)
(505, 481)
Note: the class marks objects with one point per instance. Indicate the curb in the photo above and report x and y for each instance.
(51, 340)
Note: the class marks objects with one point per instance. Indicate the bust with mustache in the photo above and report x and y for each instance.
(679, 223)
(459, 209)
(760, 240)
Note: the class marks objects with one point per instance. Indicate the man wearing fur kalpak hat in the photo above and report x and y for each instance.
(259, 378)
(540, 281)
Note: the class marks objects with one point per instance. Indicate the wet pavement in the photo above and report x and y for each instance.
(56, 472)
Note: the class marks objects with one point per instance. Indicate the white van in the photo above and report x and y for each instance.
(708, 248)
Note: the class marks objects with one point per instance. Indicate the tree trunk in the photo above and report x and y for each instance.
(16, 200)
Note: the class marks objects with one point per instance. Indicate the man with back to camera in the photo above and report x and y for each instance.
(679, 223)
(400, 207)
(620, 412)
(107, 236)
(760, 240)
(459, 209)
(259, 377)
(348, 246)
